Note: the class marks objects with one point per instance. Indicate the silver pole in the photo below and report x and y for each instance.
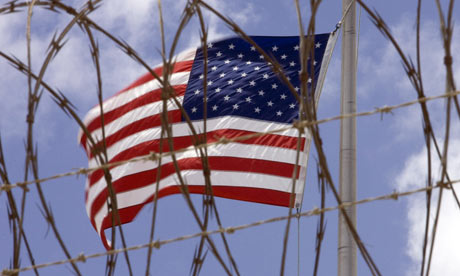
(347, 246)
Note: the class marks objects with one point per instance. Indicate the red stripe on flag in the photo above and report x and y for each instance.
(151, 97)
(145, 178)
(145, 148)
(181, 66)
(174, 116)
(257, 195)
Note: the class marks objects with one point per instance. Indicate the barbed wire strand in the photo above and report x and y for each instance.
(299, 124)
(232, 229)
(414, 76)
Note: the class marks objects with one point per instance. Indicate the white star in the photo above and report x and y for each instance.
(226, 98)
(292, 105)
(261, 92)
(261, 57)
(257, 110)
(239, 90)
(236, 106)
(231, 46)
(235, 68)
(292, 63)
(197, 92)
(309, 80)
(265, 76)
(297, 89)
(252, 83)
(227, 61)
(240, 55)
(314, 62)
(279, 113)
(218, 90)
(244, 74)
(209, 82)
(317, 45)
(248, 62)
(253, 48)
(257, 68)
(274, 86)
(283, 96)
(296, 48)
(270, 103)
(201, 76)
(288, 78)
(222, 75)
(248, 99)
(214, 68)
(214, 108)
(274, 48)
(193, 109)
(230, 82)
(283, 56)
(210, 45)
(219, 54)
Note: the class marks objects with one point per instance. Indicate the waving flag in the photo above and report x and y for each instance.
(244, 97)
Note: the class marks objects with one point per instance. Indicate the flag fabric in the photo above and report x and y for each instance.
(244, 96)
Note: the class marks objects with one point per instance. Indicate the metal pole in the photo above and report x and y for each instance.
(346, 245)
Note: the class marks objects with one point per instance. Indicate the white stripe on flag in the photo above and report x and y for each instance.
(228, 150)
(132, 94)
(182, 129)
(133, 116)
(195, 177)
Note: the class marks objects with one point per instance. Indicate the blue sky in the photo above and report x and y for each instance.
(390, 148)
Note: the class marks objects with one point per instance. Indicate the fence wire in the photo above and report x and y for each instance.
(232, 229)
(156, 156)
(81, 17)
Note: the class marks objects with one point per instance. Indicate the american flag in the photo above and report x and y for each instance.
(244, 96)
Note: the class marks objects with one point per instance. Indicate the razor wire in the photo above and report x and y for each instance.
(223, 140)
(232, 229)
(300, 125)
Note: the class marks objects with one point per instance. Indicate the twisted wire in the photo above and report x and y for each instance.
(296, 125)
(232, 229)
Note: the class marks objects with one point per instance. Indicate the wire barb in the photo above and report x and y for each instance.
(232, 229)
(153, 156)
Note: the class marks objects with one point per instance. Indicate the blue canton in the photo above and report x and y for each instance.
(240, 82)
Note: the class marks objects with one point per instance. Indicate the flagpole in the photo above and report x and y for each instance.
(346, 245)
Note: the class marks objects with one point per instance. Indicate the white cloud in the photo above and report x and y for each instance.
(445, 254)
(216, 27)
(13, 96)
(381, 65)
(131, 20)
(407, 127)
(72, 70)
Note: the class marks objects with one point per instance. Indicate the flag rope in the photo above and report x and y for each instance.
(339, 24)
